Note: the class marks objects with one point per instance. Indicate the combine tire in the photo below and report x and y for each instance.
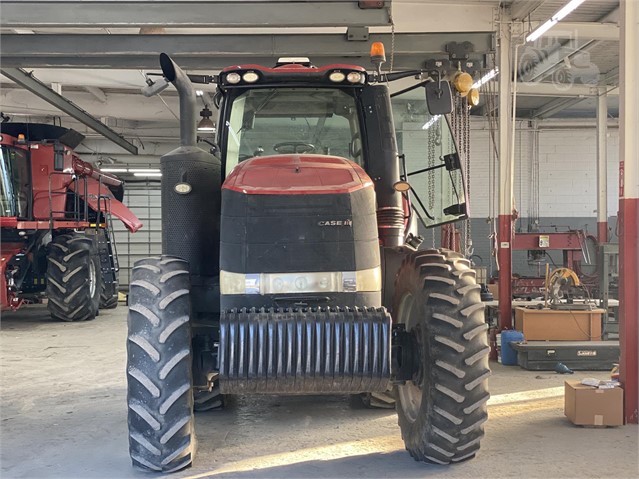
(73, 277)
(159, 376)
(108, 296)
(442, 410)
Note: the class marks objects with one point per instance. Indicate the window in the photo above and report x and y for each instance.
(292, 120)
(14, 182)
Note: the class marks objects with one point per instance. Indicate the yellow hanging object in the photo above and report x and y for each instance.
(473, 97)
(463, 83)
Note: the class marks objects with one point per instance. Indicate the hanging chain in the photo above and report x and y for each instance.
(431, 174)
(392, 22)
(468, 240)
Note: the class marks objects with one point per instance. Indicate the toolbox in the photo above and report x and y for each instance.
(577, 355)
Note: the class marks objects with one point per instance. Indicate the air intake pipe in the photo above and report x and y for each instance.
(191, 198)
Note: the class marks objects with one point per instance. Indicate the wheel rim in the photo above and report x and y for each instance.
(92, 281)
(410, 394)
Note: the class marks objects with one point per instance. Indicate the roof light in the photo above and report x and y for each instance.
(300, 60)
(336, 77)
(21, 139)
(250, 77)
(354, 77)
(233, 78)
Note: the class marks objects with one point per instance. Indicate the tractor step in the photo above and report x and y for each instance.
(322, 350)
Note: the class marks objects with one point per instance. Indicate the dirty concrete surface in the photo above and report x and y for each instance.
(63, 415)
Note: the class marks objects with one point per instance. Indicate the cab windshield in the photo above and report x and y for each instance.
(292, 120)
(14, 182)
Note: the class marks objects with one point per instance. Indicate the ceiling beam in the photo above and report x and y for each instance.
(214, 52)
(35, 86)
(585, 31)
(192, 14)
(551, 90)
(523, 8)
(555, 106)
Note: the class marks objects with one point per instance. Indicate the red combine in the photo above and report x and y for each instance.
(56, 223)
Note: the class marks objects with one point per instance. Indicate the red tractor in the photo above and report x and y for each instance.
(57, 238)
(291, 261)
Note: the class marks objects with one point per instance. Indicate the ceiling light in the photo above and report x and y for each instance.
(539, 31)
(556, 18)
(205, 123)
(148, 174)
(144, 170)
(486, 78)
(570, 6)
(431, 122)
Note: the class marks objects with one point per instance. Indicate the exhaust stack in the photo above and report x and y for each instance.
(188, 99)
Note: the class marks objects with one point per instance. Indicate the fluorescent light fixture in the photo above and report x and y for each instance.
(431, 122)
(570, 6)
(147, 174)
(486, 78)
(113, 170)
(144, 170)
(539, 31)
(556, 18)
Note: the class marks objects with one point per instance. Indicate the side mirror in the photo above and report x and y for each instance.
(439, 98)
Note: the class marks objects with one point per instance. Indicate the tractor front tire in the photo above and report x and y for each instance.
(73, 277)
(441, 411)
(159, 375)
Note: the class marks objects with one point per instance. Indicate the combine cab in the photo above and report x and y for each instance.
(56, 224)
(291, 262)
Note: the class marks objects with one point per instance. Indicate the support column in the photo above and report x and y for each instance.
(602, 164)
(506, 176)
(629, 205)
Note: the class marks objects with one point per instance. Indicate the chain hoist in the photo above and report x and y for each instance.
(431, 173)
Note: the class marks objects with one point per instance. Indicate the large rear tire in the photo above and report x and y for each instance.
(73, 277)
(159, 375)
(442, 410)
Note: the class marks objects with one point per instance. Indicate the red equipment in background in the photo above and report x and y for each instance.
(55, 215)
(573, 244)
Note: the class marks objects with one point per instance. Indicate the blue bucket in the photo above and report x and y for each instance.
(508, 354)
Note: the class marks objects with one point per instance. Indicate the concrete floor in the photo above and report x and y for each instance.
(63, 414)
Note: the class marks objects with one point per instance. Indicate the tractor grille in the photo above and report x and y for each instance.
(293, 351)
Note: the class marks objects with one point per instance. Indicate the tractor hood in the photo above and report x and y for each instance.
(297, 174)
(95, 190)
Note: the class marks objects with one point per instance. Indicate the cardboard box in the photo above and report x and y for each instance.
(588, 406)
(494, 289)
(559, 325)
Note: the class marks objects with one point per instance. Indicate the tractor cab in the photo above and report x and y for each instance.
(296, 108)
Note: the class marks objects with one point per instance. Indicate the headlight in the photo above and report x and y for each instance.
(250, 77)
(354, 77)
(233, 78)
(336, 77)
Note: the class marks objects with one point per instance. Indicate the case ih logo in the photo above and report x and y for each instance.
(335, 223)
